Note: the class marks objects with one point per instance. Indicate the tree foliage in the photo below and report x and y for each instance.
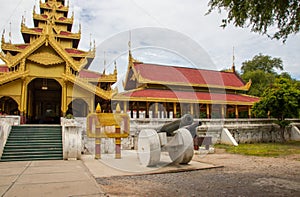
(264, 63)
(261, 15)
(281, 100)
(261, 71)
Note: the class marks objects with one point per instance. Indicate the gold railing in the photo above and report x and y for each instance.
(10, 76)
(88, 86)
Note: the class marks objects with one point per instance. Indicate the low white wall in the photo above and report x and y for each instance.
(295, 132)
(72, 139)
(5, 127)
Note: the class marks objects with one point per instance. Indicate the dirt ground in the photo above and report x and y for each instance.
(239, 176)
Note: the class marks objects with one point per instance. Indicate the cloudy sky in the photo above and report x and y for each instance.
(167, 32)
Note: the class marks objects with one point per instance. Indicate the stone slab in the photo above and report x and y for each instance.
(129, 165)
(65, 188)
(47, 178)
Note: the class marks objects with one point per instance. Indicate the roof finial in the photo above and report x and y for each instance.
(33, 11)
(104, 62)
(233, 60)
(129, 48)
(129, 42)
(90, 41)
(10, 32)
(94, 45)
(2, 39)
(98, 108)
(79, 28)
(115, 71)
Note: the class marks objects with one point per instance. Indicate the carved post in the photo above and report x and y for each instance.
(222, 111)
(147, 110)
(207, 111)
(23, 102)
(64, 106)
(174, 110)
(118, 140)
(249, 112)
(236, 112)
(97, 139)
(192, 109)
(155, 110)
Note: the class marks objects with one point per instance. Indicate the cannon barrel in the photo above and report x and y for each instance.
(169, 128)
(193, 128)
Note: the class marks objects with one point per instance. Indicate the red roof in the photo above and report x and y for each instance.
(44, 16)
(186, 76)
(22, 46)
(65, 33)
(74, 51)
(153, 94)
(37, 29)
(89, 74)
(62, 18)
(3, 68)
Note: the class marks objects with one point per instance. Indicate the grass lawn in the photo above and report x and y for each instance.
(264, 149)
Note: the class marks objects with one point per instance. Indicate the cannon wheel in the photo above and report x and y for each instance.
(183, 152)
(149, 147)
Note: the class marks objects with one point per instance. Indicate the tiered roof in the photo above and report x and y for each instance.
(161, 83)
(51, 42)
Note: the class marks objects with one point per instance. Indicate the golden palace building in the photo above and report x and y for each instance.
(47, 76)
(160, 91)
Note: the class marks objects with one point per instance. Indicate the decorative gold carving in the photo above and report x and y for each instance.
(10, 76)
(248, 85)
(105, 94)
(46, 58)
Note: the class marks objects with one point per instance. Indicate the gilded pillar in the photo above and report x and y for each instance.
(64, 106)
(236, 112)
(23, 101)
(156, 110)
(192, 109)
(92, 104)
(207, 111)
(137, 110)
(118, 140)
(174, 110)
(147, 109)
(125, 107)
(222, 111)
(249, 111)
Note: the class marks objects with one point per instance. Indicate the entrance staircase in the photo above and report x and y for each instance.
(34, 142)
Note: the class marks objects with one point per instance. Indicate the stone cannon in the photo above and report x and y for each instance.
(179, 143)
(169, 128)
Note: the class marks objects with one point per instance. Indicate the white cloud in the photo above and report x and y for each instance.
(108, 19)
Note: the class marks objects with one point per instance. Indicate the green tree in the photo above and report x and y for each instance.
(280, 101)
(261, 71)
(261, 15)
(262, 62)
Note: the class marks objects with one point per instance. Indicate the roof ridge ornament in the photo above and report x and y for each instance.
(233, 60)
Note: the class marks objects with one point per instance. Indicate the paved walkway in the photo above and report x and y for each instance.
(76, 178)
(47, 178)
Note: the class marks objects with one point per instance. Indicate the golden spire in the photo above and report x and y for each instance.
(2, 39)
(98, 108)
(90, 41)
(233, 60)
(94, 45)
(115, 70)
(9, 33)
(104, 63)
(118, 108)
(79, 28)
